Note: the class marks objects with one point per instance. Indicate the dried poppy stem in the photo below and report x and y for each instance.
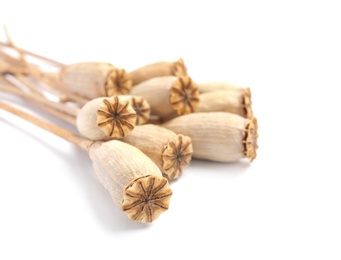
(16, 66)
(5, 68)
(67, 135)
(38, 56)
(21, 51)
(39, 100)
(51, 107)
(169, 96)
(25, 73)
(237, 102)
(134, 182)
(218, 136)
(158, 69)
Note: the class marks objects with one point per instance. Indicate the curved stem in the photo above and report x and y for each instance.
(56, 130)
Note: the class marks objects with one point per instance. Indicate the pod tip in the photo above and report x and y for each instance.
(176, 156)
(146, 198)
(250, 141)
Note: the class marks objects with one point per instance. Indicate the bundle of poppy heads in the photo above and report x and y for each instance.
(141, 128)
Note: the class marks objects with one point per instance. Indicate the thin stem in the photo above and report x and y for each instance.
(56, 109)
(38, 56)
(20, 66)
(12, 88)
(56, 130)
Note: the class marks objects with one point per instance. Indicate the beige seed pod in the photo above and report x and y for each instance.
(136, 185)
(106, 118)
(169, 96)
(94, 79)
(205, 87)
(218, 136)
(158, 69)
(141, 107)
(237, 102)
(171, 152)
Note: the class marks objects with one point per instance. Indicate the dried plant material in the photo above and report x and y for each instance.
(133, 180)
(37, 56)
(176, 156)
(130, 176)
(53, 108)
(115, 118)
(218, 136)
(146, 198)
(172, 153)
(94, 79)
(17, 68)
(158, 69)
(141, 107)
(169, 96)
(237, 102)
(106, 118)
(11, 65)
(184, 96)
(5, 69)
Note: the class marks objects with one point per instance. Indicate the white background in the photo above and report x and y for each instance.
(285, 205)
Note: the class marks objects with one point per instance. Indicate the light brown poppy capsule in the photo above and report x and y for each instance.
(158, 69)
(106, 118)
(237, 102)
(94, 79)
(134, 182)
(218, 136)
(171, 152)
(169, 96)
